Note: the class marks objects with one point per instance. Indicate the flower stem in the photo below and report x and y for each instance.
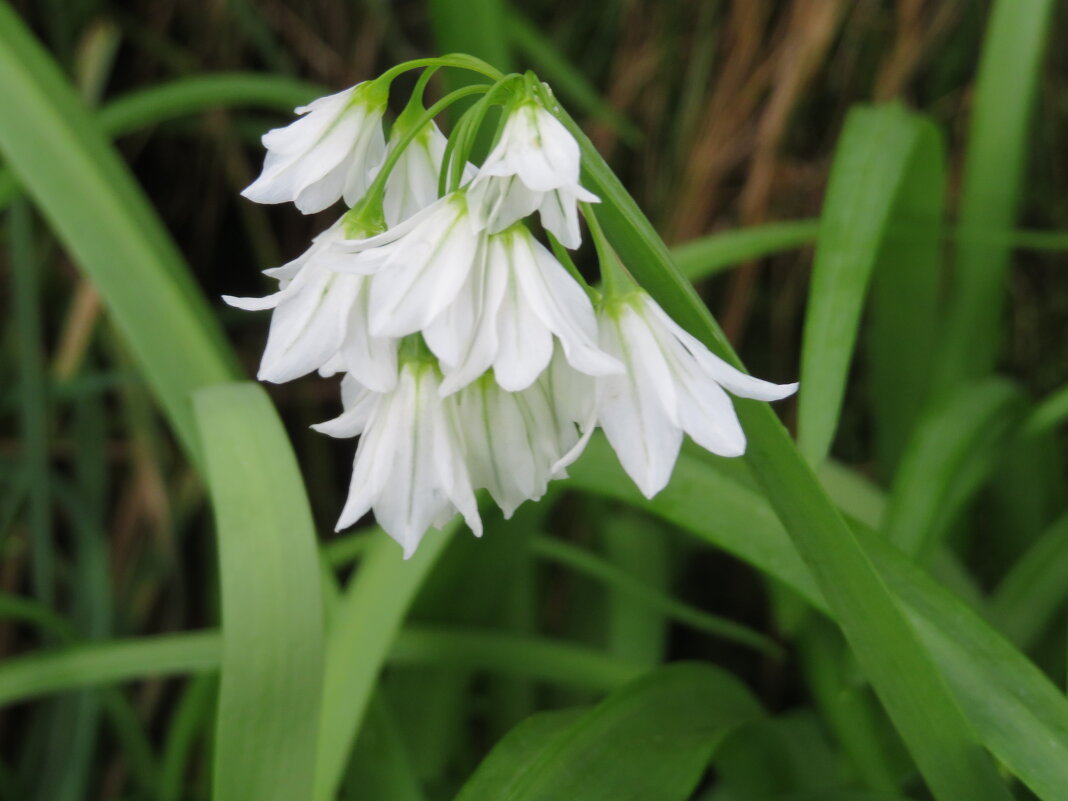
(617, 279)
(379, 183)
(457, 60)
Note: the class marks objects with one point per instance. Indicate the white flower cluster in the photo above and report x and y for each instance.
(471, 357)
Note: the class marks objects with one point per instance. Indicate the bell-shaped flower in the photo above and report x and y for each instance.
(419, 265)
(409, 466)
(673, 384)
(413, 184)
(534, 166)
(517, 297)
(320, 320)
(327, 154)
(515, 443)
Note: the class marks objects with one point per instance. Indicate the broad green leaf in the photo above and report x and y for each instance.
(783, 755)
(649, 741)
(272, 617)
(49, 139)
(997, 148)
(1013, 707)
(516, 753)
(870, 167)
(953, 448)
(887, 648)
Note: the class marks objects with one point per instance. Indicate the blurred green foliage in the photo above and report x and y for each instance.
(929, 336)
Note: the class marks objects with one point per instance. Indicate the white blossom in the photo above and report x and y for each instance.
(409, 466)
(327, 154)
(672, 384)
(534, 166)
(419, 265)
(320, 320)
(515, 443)
(413, 184)
(516, 299)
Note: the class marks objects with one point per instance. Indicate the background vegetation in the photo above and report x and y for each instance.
(869, 195)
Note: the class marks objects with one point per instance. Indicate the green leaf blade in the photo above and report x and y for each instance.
(270, 690)
(649, 741)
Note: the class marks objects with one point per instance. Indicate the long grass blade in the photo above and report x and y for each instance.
(56, 670)
(954, 447)
(272, 620)
(1012, 54)
(870, 167)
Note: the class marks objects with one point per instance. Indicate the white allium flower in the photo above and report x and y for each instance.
(419, 265)
(534, 166)
(516, 298)
(320, 320)
(327, 154)
(409, 467)
(515, 443)
(413, 184)
(673, 384)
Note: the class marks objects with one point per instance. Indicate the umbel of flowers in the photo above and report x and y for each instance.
(472, 356)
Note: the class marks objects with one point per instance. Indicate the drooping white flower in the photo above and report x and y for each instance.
(320, 320)
(419, 265)
(409, 466)
(413, 184)
(534, 166)
(516, 299)
(327, 154)
(515, 443)
(672, 384)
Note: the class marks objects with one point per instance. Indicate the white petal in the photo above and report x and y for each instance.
(353, 420)
(465, 337)
(452, 470)
(372, 467)
(561, 305)
(559, 213)
(254, 304)
(423, 275)
(498, 203)
(631, 407)
(372, 360)
(366, 157)
(413, 184)
(410, 502)
(524, 344)
(307, 161)
(728, 377)
(288, 324)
